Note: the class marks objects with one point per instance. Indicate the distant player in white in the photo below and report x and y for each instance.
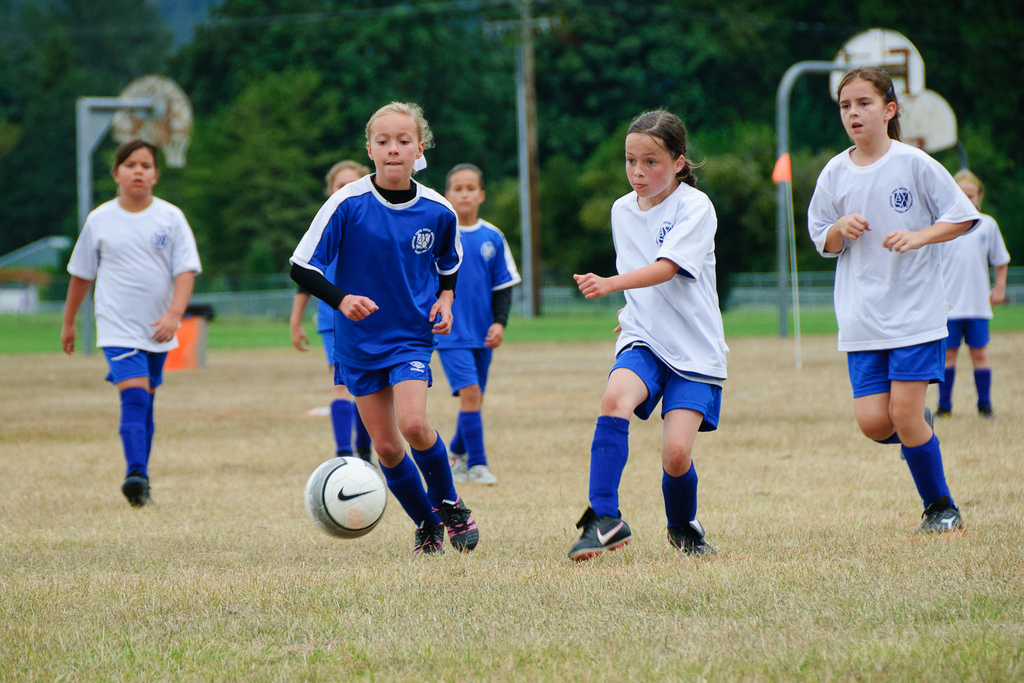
(141, 252)
(965, 271)
(397, 249)
(877, 207)
(344, 415)
(481, 309)
(671, 346)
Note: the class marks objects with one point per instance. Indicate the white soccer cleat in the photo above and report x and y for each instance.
(457, 461)
(479, 474)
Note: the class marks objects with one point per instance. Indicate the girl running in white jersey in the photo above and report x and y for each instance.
(671, 346)
(878, 207)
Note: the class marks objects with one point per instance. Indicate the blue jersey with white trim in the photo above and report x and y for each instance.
(390, 253)
(487, 266)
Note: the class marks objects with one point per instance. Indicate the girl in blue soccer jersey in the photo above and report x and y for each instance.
(397, 249)
(486, 278)
(141, 252)
(878, 207)
(344, 415)
(671, 345)
(965, 263)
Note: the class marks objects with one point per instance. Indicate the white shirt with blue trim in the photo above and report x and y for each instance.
(679, 320)
(965, 263)
(886, 300)
(134, 258)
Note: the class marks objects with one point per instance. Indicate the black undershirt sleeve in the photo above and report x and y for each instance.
(501, 304)
(447, 282)
(317, 285)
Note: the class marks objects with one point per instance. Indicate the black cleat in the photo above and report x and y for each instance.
(136, 489)
(986, 412)
(943, 412)
(462, 531)
(941, 516)
(599, 534)
(429, 539)
(365, 454)
(690, 539)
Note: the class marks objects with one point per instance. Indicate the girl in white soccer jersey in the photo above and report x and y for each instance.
(965, 263)
(344, 415)
(397, 249)
(486, 278)
(141, 252)
(671, 346)
(877, 207)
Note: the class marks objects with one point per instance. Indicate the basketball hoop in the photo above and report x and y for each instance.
(886, 49)
(170, 125)
(928, 121)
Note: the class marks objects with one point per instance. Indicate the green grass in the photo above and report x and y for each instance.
(40, 333)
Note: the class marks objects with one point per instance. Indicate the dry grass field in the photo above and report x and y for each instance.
(818, 574)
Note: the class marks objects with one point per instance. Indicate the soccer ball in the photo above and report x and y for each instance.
(346, 497)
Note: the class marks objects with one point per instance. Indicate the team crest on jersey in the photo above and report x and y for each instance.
(161, 239)
(417, 366)
(901, 200)
(423, 240)
(487, 251)
(663, 232)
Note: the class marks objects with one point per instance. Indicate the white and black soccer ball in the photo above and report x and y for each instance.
(346, 497)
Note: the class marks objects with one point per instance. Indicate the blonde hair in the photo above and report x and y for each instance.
(965, 175)
(346, 165)
(883, 84)
(410, 109)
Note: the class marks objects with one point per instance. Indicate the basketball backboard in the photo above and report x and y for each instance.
(169, 127)
(883, 48)
(927, 121)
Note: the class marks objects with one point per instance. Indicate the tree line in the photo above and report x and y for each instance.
(283, 88)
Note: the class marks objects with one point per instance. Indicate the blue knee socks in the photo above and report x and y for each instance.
(983, 381)
(150, 426)
(925, 463)
(407, 487)
(471, 430)
(135, 404)
(946, 389)
(608, 454)
(362, 436)
(680, 497)
(433, 463)
(341, 420)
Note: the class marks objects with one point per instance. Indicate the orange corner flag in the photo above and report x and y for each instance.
(783, 172)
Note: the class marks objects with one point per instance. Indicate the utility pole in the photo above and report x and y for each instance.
(529, 164)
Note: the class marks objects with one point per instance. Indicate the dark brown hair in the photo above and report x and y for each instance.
(125, 150)
(463, 167)
(883, 84)
(668, 129)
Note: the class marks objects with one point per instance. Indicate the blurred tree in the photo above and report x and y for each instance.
(61, 51)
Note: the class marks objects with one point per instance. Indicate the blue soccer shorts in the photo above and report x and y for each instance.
(872, 372)
(365, 382)
(125, 363)
(466, 367)
(974, 331)
(674, 391)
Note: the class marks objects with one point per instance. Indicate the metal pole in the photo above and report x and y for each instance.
(92, 120)
(784, 188)
(524, 188)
